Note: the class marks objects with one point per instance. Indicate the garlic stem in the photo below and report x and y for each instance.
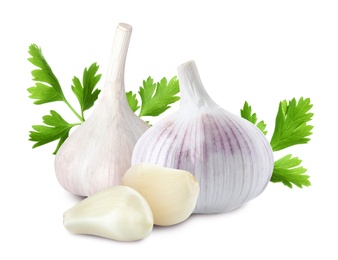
(194, 92)
(114, 85)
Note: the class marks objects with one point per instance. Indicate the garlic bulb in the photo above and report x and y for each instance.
(97, 154)
(118, 213)
(229, 156)
(170, 193)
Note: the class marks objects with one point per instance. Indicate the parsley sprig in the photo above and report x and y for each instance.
(291, 128)
(155, 98)
(48, 89)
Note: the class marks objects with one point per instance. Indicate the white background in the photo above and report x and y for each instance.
(259, 51)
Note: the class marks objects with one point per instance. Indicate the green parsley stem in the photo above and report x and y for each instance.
(76, 124)
(73, 110)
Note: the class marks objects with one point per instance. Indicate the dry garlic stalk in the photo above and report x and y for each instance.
(118, 213)
(97, 153)
(170, 193)
(229, 156)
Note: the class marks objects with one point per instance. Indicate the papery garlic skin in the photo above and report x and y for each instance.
(118, 213)
(97, 154)
(229, 156)
(171, 194)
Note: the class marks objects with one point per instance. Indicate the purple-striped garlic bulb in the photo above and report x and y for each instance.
(230, 157)
(97, 154)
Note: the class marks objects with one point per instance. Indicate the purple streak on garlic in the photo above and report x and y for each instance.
(97, 154)
(229, 156)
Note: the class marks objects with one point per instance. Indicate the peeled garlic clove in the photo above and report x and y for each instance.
(170, 193)
(118, 213)
(230, 157)
(97, 154)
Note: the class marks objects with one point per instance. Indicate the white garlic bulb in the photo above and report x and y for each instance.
(229, 156)
(171, 194)
(118, 213)
(97, 154)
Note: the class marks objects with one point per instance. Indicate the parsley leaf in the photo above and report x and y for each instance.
(132, 101)
(156, 97)
(43, 93)
(85, 92)
(291, 124)
(246, 113)
(288, 171)
(55, 128)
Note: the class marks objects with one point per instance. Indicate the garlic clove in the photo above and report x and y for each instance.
(230, 157)
(97, 154)
(170, 193)
(118, 213)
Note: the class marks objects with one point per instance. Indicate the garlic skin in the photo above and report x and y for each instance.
(97, 154)
(229, 156)
(118, 213)
(171, 194)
